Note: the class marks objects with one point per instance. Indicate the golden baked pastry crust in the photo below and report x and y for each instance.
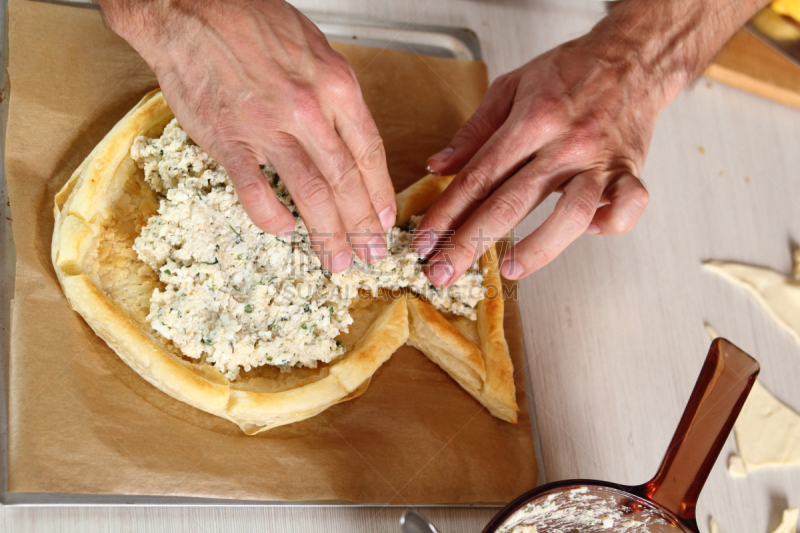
(101, 210)
(475, 354)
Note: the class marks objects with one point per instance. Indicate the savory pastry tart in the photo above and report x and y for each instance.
(153, 249)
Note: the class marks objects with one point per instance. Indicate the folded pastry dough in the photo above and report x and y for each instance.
(767, 431)
(101, 210)
(776, 293)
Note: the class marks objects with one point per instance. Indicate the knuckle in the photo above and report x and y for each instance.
(544, 110)
(327, 246)
(476, 183)
(327, 240)
(582, 147)
(581, 207)
(373, 156)
(461, 253)
(337, 238)
(306, 106)
(282, 141)
(346, 178)
(341, 77)
(383, 197)
(472, 129)
(315, 192)
(249, 190)
(586, 131)
(544, 169)
(507, 210)
(361, 223)
(224, 145)
(639, 198)
(617, 224)
(624, 222)
(267, 219)
(260, 212)
(501, 82)
(539, 257)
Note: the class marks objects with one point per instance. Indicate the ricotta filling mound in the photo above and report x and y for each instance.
(239, 298)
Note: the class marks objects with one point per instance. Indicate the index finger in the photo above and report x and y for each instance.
(359, 132)
(255, 194)
(331, 155)
(311, 195)
(502, 155)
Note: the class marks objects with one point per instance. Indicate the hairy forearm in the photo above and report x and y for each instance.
(151, 25)
(671, 41)
(140, 22)
(129, 17)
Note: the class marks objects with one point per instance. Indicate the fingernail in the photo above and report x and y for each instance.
(341, 262)
(593, 228)
(425, 242)
(511, 270)
(442, 156)
(288, 230)
(440, 272)
(376, 249)
(432, 171)
(388, 216)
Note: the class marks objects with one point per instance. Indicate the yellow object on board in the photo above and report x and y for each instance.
(790, 8)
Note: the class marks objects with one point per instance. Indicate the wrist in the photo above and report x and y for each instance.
(145, 24)
(669, 43)
(129, 18)
(647, 54)
(615, 62)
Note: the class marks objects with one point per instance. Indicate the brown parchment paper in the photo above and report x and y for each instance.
(81, 421)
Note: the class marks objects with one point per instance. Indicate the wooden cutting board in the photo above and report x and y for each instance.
(749, 64)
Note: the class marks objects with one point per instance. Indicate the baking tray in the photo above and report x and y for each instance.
(437, 41)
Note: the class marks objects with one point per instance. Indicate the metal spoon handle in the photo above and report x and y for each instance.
(413, 522)
(724, 383)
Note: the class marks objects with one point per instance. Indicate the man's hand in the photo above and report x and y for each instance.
(256, 82)
(567, 121)
(576, 120)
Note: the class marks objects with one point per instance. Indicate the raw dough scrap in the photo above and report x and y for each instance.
(736, 467)
(711, 332)
(789, 522)
(777, 294)
(787, 525)
(767, 431)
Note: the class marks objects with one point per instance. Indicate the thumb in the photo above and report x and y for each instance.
(487, 119)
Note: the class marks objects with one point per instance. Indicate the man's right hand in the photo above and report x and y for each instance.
(256, 82)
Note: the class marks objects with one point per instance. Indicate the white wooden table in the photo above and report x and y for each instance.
(614, 327)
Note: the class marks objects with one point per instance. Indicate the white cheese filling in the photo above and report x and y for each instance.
(240, 298)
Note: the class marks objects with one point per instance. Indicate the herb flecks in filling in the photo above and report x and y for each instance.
(240, 298)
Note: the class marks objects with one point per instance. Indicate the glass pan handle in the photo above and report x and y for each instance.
(721, 389)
